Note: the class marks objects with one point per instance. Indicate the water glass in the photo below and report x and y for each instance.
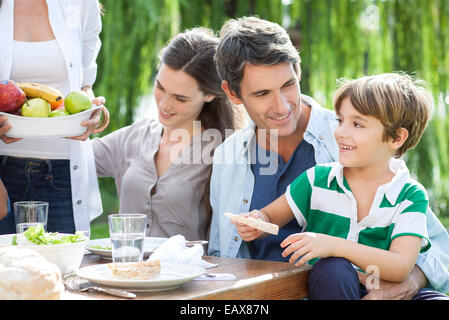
(127, 233)
(30, 213)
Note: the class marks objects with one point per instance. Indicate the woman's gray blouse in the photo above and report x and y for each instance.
(175, 203)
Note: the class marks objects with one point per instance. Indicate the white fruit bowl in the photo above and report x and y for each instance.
(67, 256)
(56, 127)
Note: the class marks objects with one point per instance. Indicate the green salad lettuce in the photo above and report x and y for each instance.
(37, 235)
(101, 247)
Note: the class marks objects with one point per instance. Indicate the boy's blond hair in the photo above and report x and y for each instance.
(397, 100)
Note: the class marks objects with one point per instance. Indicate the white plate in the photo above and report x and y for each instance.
(56, 127)
(172, 276)
(150, 244)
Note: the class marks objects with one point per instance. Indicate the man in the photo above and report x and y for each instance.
(289, 133)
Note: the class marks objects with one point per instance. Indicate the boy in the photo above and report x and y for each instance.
(365, 209)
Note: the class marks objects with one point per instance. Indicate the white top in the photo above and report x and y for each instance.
(49, 70)
(76, 25)
(45, 148)
(40, 62)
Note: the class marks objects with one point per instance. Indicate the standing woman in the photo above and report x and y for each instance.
(162, 168)
(54, 43)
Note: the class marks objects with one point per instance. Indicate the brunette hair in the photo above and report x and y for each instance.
(256, 41)
(193, 52)
(397, 100)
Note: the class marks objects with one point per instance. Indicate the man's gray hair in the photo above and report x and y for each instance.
(253, 40)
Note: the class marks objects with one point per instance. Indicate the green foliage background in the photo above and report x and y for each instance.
(335, 38)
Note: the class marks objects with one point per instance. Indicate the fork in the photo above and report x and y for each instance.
(72, 283)
(209, 275)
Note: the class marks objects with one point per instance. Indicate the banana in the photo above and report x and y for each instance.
(38, 90)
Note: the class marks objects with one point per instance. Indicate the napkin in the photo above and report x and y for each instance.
(174, 250)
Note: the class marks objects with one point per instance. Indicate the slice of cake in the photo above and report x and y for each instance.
(143, 270)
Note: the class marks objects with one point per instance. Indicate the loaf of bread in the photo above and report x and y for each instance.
(27, 275)
(142, 270)
(255, 223)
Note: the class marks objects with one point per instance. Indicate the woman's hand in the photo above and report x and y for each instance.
(93, 121)
(4, 128)
(307, 246)
(99, 101)
(246, 232)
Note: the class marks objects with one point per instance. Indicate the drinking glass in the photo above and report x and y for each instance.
(30, 213)
(127, 233)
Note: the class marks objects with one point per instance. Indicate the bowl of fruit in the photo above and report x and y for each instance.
(38, 111)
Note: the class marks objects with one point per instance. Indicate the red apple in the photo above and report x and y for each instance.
(11, 96)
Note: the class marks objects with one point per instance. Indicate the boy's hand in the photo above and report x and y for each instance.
(307, 246)
(246, 232)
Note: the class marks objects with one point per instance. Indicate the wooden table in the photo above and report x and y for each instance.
(256, 280)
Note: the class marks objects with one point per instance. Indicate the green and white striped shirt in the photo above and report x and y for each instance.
(322, 202)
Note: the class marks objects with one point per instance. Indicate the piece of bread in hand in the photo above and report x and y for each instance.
(255, 223)
(142, 270)
(27, 275)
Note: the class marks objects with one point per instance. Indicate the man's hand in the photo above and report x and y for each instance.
(405, 290)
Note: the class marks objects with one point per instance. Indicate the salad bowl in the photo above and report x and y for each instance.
(64, 250)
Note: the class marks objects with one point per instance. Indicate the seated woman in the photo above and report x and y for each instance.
(162, 168)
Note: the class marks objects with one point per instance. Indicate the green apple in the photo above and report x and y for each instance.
(77, 101)
(58, 113)
(36, 107)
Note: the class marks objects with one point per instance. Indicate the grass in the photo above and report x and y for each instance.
(99, 227)
(99, 230)
(444, 221)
